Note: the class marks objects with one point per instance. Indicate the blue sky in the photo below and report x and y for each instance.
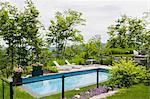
(99, 14)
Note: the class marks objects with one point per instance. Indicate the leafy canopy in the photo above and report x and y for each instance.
(63, 29)
(127, 33)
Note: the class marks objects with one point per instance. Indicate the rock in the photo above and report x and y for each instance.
(77, 96)
(87, 92)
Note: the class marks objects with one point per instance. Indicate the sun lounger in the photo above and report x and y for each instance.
(62, 67)
(73, 66)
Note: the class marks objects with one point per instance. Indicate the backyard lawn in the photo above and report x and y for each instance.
(139, 91)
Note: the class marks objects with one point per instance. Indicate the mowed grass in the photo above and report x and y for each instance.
(139, 91)
(18, 93)
(71, 93)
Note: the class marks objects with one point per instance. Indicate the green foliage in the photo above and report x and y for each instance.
(36, 68)
(45, 57)
(126, 73)
(93, 48)
(61, 61)
(64, 29)
(120, 50)
(50, 63)
(5, 66)
(127, 33)
(30, 26)
(28, 70)
(1, 59)
(107, 61)
(20, 31)
(77, 60)
(52, 69)
(73, 50)
(146, 46)
(8, 29)
(147, 78)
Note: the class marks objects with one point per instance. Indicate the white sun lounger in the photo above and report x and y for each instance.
(73, 66)
(61, 67)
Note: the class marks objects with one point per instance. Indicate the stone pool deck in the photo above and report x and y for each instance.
(84, 67)
(88, 67)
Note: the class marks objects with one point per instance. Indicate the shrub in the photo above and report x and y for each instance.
(78, 60)
(120, 51)
(61, 61)
(107, 61)
(52, 69)
(50, 63)
(28, 69)
(125, 73)
(147, 78)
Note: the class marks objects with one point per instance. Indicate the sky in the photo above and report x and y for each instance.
(99, 14)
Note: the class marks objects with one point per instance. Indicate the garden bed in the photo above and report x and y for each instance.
(92, 92)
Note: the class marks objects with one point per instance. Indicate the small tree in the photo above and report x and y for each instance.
(63, 29)
(93, 47)
(20, 31)
(8, 30)
(29, 33)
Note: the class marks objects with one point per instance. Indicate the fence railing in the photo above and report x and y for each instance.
(10, 88)
(60, 75)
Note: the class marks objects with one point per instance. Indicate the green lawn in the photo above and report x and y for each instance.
(139, 91)
(18, 93)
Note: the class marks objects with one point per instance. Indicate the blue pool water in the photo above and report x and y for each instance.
(52, 86)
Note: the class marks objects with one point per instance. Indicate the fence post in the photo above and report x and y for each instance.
(11, 90)
(97, 77)
(2, 89)
(63, 86)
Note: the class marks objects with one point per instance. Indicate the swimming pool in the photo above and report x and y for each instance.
(47, 87)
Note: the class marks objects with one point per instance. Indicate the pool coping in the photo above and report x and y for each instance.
(59, 75)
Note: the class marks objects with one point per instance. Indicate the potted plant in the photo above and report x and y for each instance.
(37, 69)
(17, 80)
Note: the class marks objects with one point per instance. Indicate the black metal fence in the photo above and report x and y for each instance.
(6, 89)
(10, 85)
